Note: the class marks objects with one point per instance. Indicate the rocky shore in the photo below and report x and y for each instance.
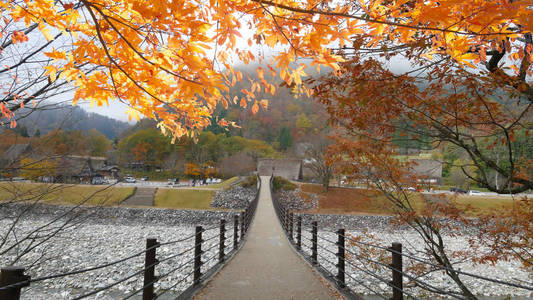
(114, 215)
(236, 197)
(89, 237)
(380, 231)
(361, 264)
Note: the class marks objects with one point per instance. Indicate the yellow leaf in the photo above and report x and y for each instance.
(52, 72)
(56, 54)
(255, 108)
(45, 32)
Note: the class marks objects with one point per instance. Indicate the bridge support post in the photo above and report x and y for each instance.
(291, 227)
(242, 226)
(287, 215)
(235, 231)
(281, 216)
(198, 254)
(149, 268)
(397, 270)
(314, 240)
(341, 280)
(299, 233)
(11, 276)
(222, 241)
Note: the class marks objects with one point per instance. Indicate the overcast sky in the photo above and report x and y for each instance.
(117, 110)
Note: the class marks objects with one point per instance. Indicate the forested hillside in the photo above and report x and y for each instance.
(43, 121)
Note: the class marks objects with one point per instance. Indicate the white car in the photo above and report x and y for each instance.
(475, 193)
(129, 179)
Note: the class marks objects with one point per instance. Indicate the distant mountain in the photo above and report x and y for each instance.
(70, 118)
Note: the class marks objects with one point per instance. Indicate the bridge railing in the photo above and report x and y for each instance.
(220, 241)
(315, 246)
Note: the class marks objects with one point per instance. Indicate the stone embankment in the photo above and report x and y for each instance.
(236, 197)
(115, 215)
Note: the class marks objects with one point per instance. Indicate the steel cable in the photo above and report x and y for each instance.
(115, 283)
(174, 285)
(78, 271)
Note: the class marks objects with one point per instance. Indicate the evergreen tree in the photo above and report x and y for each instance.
(23, 131)
(284, 138)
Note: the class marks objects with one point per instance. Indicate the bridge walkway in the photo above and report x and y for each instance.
(266, 267)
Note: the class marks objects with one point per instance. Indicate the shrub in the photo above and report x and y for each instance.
(250, 182)
(280, 183)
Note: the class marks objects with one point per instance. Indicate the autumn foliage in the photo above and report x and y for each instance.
(172, 60)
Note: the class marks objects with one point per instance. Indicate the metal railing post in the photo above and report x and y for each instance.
(291, 227)
(149, 268)
(242, 226)
(198, 254)
(314, 240)
(222, 241)
(299, 233)
(341, 280)
(235, 231)
(281, 216)
(397, 269)
(286, 222)
(245, 220)
(9, 276)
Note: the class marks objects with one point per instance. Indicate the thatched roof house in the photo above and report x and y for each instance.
(74, 168)
(290, 169)
(15, 152)
(429, 169)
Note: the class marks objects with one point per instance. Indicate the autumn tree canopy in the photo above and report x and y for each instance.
(172, 60)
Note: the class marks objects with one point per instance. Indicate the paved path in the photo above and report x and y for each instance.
(142, 197)
(266, 267)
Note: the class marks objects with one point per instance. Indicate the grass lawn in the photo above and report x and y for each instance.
(224, 184)
(478, 205)
(183, 198)
(362, 201)
(64, 193)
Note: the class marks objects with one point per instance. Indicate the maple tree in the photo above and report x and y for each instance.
(192, 170)
(172, 61)
(469, 86)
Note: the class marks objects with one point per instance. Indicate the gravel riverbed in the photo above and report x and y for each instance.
(99, 240)
(111, 234)
(364, 260)
(359, 267)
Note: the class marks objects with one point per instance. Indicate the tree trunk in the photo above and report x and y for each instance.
(325, 183)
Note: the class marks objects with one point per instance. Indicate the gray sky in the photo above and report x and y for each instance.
(115, 110)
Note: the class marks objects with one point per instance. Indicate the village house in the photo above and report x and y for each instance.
(84, 169)
(68, 168)
(290, 169)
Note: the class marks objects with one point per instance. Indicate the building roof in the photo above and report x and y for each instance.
(75, 165)
(109, 168)
(15, 152)
(290, 169)
(427, 167)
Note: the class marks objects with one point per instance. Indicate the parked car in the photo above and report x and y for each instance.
(97, 180)
(129, 179)
(145, 178)
(457, 190)
(475, 193)
(173, 181)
